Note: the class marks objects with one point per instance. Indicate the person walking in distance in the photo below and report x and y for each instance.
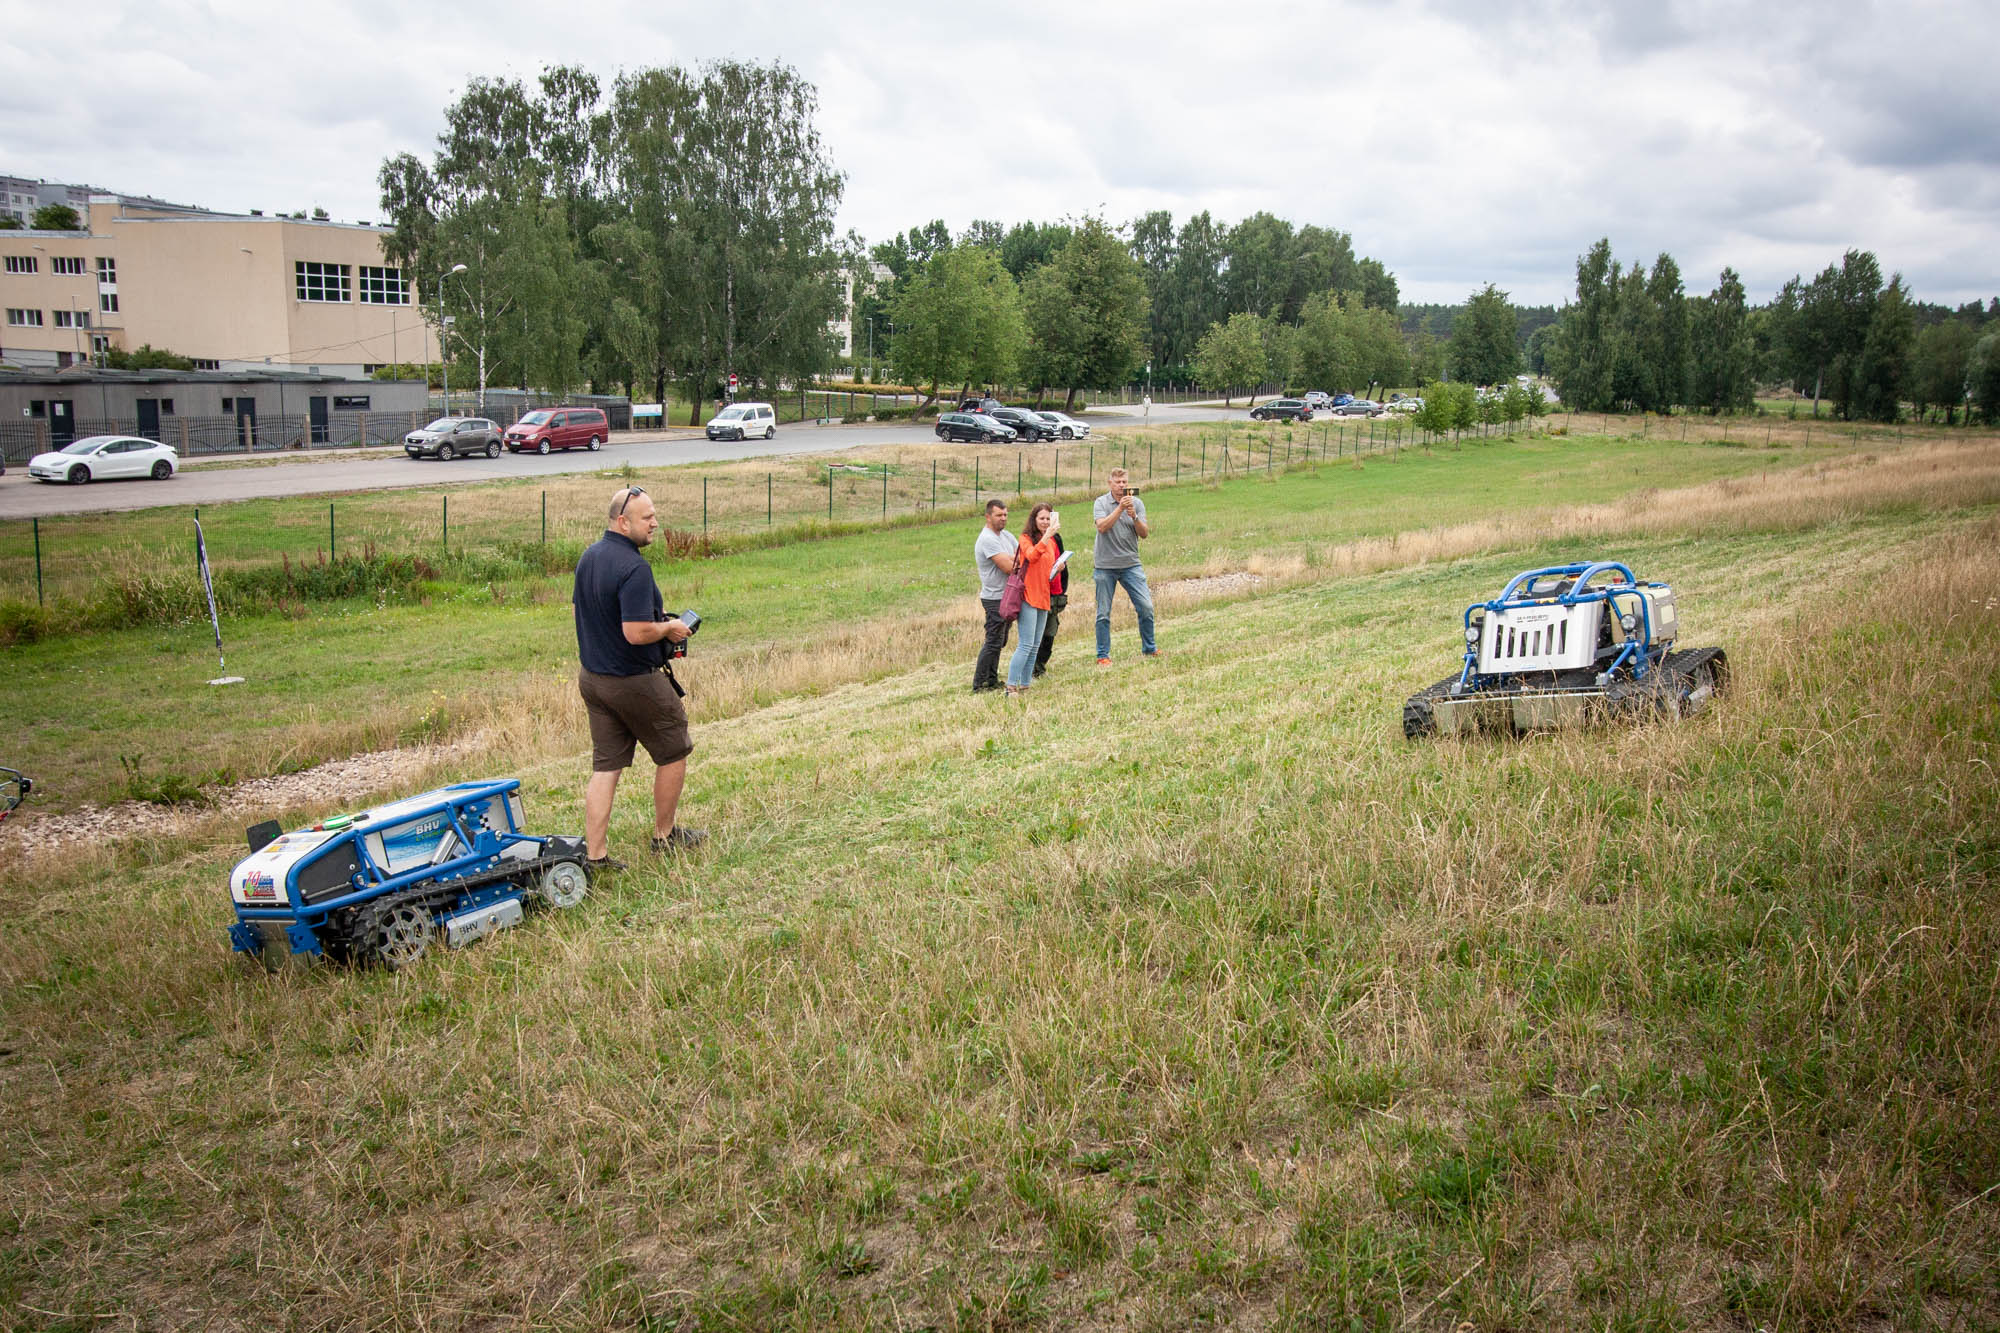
(628, 689)
(1037, 552)
(1058, 600)
(1121, 525)
(993, 558)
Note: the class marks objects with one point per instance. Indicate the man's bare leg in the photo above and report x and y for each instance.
(597, 813)
(667, 783)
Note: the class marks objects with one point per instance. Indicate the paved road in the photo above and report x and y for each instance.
(211, 481)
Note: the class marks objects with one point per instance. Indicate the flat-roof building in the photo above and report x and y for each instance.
(235, 292)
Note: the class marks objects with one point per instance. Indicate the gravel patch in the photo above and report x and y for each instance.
(339, 784)
(1211, 585)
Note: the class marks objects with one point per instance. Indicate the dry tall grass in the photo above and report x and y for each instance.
(1057, 1016)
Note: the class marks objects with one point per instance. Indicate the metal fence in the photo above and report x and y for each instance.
(73, 554)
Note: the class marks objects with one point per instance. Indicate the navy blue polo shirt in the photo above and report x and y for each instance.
(614, 584)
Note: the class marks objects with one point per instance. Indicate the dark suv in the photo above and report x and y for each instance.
(1028, 425)
(1282, 409)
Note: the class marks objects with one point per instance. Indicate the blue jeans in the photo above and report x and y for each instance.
(1133, 580)
(1021, 667)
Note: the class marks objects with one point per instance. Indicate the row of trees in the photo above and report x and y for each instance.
(677, 230)
(1068, 312)
(1633, 339)
(1339, 341)
(1299, 296)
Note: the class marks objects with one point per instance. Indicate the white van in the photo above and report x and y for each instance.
(743, 421)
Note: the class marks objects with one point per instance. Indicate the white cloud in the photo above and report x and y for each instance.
(1460, 142)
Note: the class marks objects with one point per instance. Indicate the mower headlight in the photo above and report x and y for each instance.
(1628, 620)
(1472, 634)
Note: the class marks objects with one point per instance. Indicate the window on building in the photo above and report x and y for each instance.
(25, 319)
(203, 363)
(72, 319)
(229, 404)
(64, 360)
(166, 407)
(383, 286)
(99, 344)
(321, 282)
(21, 264)
(357, 402)
(71, 265)
(107, 270)
(37, 408)
(108, 302)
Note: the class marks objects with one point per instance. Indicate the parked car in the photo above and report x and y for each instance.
(1067, 427)
(740, 421)
(1282, 409)
(973, 426)
(100, 457)
(979, 405)
(1409, 404)
(548, 428)
(1027, 425)
(453, 437)
(1319, 400)
(1340, 398)
(1357, 407)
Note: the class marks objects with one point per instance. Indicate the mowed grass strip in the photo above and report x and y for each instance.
(1188, 992)
(360, 675)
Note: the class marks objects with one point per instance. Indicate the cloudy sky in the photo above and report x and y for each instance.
(1459, 141)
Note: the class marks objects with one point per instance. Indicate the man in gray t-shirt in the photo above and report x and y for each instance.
(993, 556)
(1121, 524)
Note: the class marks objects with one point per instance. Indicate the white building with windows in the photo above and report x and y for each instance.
(233, 291)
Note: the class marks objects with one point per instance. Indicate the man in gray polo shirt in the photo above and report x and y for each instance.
(1121, 523)
(993, 556)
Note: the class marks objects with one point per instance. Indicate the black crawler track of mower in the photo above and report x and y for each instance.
(1673, 689)
(352, 934)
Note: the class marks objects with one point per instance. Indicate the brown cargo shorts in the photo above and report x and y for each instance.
(626, 711)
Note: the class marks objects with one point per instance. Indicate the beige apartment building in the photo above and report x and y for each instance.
(235, 292)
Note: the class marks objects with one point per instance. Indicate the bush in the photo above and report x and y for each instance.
(26, 622)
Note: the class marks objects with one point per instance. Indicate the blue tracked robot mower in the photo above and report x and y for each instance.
(1566, 645)
(381, 887)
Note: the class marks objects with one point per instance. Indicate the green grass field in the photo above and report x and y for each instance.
(1186, 993)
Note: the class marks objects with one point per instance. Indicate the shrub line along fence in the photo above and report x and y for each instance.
(747, 501)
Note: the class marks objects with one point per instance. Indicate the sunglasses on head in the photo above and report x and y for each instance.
(630, 491)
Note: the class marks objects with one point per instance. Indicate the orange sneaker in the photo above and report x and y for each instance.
(1104, 661)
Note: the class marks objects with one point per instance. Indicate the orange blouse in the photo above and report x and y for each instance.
(1041, 558)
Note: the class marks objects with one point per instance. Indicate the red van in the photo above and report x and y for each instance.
(548, 428)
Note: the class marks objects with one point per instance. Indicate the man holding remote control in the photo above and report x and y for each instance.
(1121, 525)
(624, 639)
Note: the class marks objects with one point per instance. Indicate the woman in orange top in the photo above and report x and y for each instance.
(1038, 557)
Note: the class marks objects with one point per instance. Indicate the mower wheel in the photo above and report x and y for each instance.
(396, 934)
(564, 884)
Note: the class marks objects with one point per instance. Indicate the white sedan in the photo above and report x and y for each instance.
(99, 457)
(1066, 426)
